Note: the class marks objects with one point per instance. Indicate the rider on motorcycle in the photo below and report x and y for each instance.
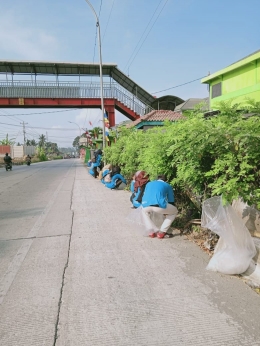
(28, 159)
(8, 161)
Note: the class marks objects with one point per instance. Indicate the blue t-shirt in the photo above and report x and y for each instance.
(116, 177)
(132, 186)
(158, 192)
(98, 161)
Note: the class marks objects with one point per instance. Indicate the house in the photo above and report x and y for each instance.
(191, 103)
(155, 118)
(167, 102)
(236, 82)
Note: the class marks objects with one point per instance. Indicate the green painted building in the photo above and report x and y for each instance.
(238, 81)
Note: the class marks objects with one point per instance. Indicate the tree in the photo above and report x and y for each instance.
(75, 143)
(42, 141)
(7, 141)
(95, 132)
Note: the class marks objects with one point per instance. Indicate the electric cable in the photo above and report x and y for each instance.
(143, 34)
(108, 20)
(147, 34)
(95, 43)
(64, 110)
(176, 86)
(44, 128)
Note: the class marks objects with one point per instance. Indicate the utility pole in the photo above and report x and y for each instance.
(47, 137)
(24, 139)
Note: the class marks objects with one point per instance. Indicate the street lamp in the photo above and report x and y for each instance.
(101, 75)
(77, 125)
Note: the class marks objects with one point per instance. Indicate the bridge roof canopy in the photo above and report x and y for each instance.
(75, 69)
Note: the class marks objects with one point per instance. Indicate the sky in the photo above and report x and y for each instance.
(160, 44)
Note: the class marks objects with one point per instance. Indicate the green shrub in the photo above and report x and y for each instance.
(202, 157)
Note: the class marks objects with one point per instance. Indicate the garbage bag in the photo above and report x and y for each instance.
(145, 225)
(235, 248)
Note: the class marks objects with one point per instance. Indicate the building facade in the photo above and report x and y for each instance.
(236, 82)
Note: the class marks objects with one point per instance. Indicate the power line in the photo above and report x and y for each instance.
(147, 35)
(108, 20)
(176, 86)
(24, 139)
(44, 128)
(95, 43)
(143, 34)
(65, 110)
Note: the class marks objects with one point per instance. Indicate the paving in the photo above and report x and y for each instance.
(78, 273)
(121, 288)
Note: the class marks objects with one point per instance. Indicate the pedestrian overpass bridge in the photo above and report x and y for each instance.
(65, 86)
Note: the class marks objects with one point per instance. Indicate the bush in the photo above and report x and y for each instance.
(201, 157)
(56, 157)
(41, 155)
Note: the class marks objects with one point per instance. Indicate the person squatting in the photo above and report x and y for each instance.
(109, 175)
(154, 197)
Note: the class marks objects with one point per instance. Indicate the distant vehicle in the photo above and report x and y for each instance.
(67, 156)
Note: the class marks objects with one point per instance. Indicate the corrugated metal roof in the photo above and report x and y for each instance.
(191, 103)
(75, 69)
(158, 115)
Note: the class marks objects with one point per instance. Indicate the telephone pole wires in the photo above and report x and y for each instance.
(24, 137)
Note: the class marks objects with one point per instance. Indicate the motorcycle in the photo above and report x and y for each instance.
(28, 161)
(8, 166)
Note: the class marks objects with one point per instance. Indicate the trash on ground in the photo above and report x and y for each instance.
(235, 248)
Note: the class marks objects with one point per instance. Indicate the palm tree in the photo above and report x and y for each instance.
(42, 141)
(95, 132)
(7, 141)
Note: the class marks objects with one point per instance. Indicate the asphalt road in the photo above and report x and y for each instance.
(74, 272)
(35, 229)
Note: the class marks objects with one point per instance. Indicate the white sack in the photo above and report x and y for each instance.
(235, 248)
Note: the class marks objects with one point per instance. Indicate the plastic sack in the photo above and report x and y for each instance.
(235, 248)
(145, 225)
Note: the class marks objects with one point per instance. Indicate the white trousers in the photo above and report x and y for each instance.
(170, 213)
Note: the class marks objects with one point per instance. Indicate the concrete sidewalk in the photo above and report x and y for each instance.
(124, 289)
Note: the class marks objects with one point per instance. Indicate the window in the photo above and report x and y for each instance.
(216, 90)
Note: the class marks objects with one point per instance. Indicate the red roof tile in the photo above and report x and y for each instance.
(158, 115)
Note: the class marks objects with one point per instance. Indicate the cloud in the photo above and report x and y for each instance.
(24, 41)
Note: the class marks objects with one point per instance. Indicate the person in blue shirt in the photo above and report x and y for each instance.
(116, 178)
(140, 179)
(106, 174)
(158, 198)
(96, 162)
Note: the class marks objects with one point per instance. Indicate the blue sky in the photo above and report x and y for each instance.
(159, 43)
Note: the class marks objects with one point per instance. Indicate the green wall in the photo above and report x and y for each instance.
(238, 81)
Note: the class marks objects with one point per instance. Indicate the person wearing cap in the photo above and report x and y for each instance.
(158, 198)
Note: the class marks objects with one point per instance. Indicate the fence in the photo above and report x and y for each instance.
(42, 89)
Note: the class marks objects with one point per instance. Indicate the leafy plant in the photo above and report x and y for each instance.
(201, 157)
(7, 141)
